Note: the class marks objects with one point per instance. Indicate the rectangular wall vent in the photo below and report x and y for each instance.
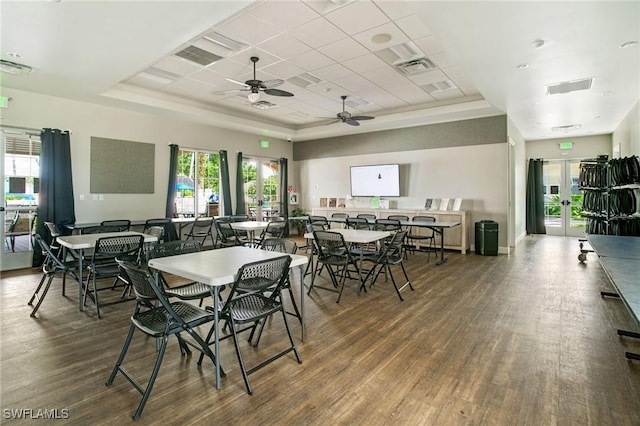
(569, 86)
(415, 66)
(198, 55)
(566, 128)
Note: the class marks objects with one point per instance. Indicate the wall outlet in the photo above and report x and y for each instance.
(81, 196)
(95, 197)
(101, 197)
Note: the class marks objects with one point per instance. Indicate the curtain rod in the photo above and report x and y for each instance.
(27, 129)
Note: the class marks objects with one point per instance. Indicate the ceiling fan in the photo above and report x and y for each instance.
(346, 116)
(254, 87)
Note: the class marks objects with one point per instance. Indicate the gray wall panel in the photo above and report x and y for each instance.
(480, 131)
(121, 167)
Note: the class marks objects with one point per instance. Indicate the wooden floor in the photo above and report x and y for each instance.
(524, 339)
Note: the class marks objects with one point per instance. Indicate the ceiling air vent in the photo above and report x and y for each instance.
(566, 128)
(438, 86)
(415, 66)
(569, 86)
(14, 68)
(305, 79)
(198, 55)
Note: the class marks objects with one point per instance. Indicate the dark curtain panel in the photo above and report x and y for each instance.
(284, 193)
(535, 199)
(239, 187)
(225, 184)
(56, 185)
(170, 209)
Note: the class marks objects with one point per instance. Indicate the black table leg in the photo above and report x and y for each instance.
(442, 258)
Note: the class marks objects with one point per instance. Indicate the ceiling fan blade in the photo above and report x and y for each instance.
(225, 92)
(277, 92)
(362, 117)
(237, 82)
(351, 122)
(270, 84)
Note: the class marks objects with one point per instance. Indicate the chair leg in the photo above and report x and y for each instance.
(123, 352)
(152, 379)
(41, 296)
(245, 376)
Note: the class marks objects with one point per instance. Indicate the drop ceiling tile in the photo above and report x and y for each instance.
(178, 66)
(394, 9)
(250, 29)
(325, 6)
(448, 94)
(413, 27)
(442, 60)
(382, 75)
(343, 49)
(396, 36)
(185, 86)
(353, 83)
(429, 45)
(209, 77)
(142, 80)
(308, 33)
(368, 16)
(284, 14)
(284, 46)
(311, 61)
(283, 70)
(382, 100)
(365, 63)
(428, 77)
(466, 86)
(333, 71)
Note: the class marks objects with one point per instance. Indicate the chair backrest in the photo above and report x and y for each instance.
(398, 217)
(329, 243)
(340, 215)
(51, 261)
(143, 283)
(53, 230)
(426, 232)
(281, 245)
(162, 221)
(203, 222)
(367, 216)
(225, 230)
(119, 225)
(274, 230)
(357, 223)
(172, 248)
(126, 247)
(321, 220)
(387, 225)
(395, 246)
(239, 218)
(268, 274)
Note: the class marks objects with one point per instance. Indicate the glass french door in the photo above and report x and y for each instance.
(563, 198)
(260, 179)
(20, 168)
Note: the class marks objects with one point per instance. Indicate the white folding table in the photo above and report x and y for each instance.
(79, 243)
(216, 268)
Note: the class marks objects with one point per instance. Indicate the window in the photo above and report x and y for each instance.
(197, 183)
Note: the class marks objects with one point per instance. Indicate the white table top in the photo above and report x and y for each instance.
(85, 241)
(360, 236)
(216, 267)
(250, 225)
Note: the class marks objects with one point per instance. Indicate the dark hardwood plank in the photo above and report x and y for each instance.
(519, 339)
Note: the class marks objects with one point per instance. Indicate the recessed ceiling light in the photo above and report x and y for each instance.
(538, 43)
(628, 44)
(381, 38)
(522, 66)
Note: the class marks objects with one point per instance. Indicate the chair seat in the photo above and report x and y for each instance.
(154, 321)
(253, 306)
(191, 291)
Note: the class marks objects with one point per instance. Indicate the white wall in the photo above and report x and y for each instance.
(518, 187)
(477, 173)
(627, 134)
(583, 147)
(85, 120)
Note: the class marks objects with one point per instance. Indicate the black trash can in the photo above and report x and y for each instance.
(487, 238)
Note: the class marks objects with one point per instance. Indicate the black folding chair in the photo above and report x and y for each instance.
(391, 255)
(104, 265)
(156, 317)
(201, 229)
(247, 309)
(50, 267)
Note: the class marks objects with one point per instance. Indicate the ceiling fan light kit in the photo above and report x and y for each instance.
(346, 117)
